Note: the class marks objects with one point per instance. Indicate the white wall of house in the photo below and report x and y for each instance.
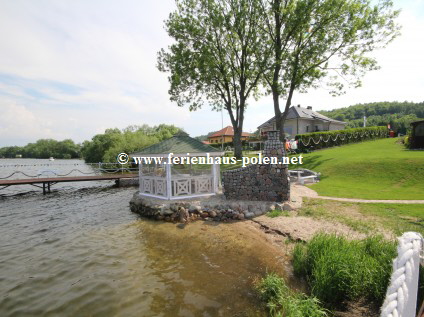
(336, 126)
(300, 126)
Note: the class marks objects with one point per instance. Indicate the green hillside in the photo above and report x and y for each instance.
(381, 169)
(398, 114)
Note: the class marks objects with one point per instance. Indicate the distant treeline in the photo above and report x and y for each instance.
(106, 146)
(398, 114)
(102, 148)
(44, 148)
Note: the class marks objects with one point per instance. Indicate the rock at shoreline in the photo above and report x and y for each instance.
(215, 208)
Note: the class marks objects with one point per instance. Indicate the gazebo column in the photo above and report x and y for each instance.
(140, 174)
(215, 177)
(168, 181)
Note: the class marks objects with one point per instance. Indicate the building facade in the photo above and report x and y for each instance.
(226, 135)
(302, 120)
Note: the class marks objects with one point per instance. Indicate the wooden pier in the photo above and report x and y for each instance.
(46, 183)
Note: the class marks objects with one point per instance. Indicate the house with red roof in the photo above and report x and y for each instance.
(226, 135)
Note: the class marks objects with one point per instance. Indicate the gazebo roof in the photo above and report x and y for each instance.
(179, 144)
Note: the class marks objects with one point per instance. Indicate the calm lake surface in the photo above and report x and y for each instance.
(79, 251)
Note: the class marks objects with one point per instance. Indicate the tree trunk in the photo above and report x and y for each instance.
(238, 150)
(279, 123)
(286, 111)
(237, 124)
(277, 68)
(238, 130)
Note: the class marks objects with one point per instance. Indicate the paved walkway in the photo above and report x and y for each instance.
(304, 191)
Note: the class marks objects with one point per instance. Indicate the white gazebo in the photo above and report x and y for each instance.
(178, 168)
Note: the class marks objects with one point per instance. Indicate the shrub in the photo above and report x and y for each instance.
(339, 270)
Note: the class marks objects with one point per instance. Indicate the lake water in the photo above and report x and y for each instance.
(79, 251)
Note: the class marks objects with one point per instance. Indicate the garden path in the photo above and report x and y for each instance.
(304, 191)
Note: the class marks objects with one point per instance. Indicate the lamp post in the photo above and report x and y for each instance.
(222, 127)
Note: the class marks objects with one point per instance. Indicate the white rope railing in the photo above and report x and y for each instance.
(401, 296)
(354, 135)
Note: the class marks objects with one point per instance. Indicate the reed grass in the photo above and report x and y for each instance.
(281, 301)
(339, 270)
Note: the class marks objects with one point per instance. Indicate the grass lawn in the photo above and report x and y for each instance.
(381, 169)
(366, 218)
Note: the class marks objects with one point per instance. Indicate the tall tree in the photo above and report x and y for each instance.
(318, 42)
(218, 57)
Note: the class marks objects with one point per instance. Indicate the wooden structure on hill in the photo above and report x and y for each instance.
(417, 135)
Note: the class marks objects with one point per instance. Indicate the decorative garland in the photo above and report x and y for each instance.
(340, 136)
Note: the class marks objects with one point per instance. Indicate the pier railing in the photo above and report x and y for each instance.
(19, 171)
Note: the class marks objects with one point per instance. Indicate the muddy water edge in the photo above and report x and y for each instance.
(81, 252)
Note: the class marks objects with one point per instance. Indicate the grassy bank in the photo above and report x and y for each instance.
(381, 169)
(367, 218)
(339, 273)
(348, 277)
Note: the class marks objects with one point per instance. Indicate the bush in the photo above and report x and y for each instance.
(408, 140)
(281, 301)
(339, 270)
(320, 140)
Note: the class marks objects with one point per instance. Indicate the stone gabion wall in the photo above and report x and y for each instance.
(214, 208)
(265, 182)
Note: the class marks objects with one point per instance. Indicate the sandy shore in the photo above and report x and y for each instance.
(300, 228)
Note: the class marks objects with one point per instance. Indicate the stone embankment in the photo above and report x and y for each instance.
(215, 208)
(260, 182)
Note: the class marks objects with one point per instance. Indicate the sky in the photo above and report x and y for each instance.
(71, 69)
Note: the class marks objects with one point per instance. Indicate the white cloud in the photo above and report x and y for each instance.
(17, 122)
(399, 79)
(70, 69)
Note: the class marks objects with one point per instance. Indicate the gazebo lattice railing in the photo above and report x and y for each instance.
(175, 182)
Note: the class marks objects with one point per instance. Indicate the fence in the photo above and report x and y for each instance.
(64, 169)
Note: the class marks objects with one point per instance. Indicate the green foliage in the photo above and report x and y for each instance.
(217, 58)
(407, 141)
(326, 42)
(105, 147)
(339, 270)
(217, 52)
(330, 39)
(44, 148)
(379, 169)
(320, 140)
(398, 114)
(281, 301)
